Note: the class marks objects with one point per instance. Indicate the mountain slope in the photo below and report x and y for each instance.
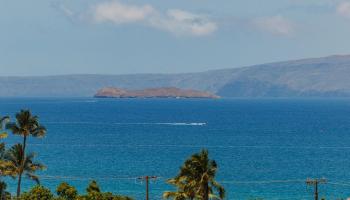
(323, 77)
(327, 76)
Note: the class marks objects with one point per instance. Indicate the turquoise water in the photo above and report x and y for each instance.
(255, 143)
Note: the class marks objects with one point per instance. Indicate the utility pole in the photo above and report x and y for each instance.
(315, 183)
(147, 178)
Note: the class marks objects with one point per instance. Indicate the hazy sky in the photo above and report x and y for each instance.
(43, 37)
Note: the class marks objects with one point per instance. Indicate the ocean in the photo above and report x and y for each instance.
(265, 148)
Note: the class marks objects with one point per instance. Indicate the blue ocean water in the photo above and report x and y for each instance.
(265, 148)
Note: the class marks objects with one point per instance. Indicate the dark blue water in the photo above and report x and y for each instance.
(255, 143)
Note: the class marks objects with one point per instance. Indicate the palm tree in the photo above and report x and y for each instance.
(18, 164)
(196, 179)
(185, 189)
(3, 121)
(178, 195)
(26, 125)
(3, 192)
(3, 172)
(93, 187)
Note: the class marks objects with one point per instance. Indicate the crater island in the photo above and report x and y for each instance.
(164, 92)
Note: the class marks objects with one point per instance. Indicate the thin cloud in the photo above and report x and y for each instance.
(119, 13)
(175, 21)
(181, 22)
(343, 9)
(70, 14)
(277, 25)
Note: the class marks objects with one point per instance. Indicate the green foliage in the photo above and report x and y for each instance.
(67, 192)
(18, 163)
(26, 125)
(3, 135)
(3, 164)
(3, 122)
(36, 193)
(93, 188)
(3, 187)
(3, 193)
(94, 193)
(102, 196)
(196, 180)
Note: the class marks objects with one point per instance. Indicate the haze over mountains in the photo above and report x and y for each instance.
(316, 77)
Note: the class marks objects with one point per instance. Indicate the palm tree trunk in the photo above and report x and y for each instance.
(2, 193)
(24, 145)
(19, 185)
(206, 191)
(23, 159)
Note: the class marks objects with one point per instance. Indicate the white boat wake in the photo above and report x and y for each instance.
(135, 123)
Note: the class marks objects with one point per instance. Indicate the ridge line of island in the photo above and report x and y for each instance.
(163, 92)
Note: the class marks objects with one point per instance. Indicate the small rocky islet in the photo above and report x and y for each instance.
(165, 92)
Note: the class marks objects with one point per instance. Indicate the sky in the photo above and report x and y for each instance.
(52, 37)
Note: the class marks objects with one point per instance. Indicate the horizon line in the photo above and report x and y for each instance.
(172, 73)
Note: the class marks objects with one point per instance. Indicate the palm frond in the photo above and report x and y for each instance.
(4, 121)
(219, 188)
(175, 195)
(39, 131)
(26, 124)
(196, 178)
(13, 128)
(33, 177)
(17, 163)
(3, 135)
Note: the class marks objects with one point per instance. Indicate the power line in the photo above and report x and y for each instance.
(338, 183)
(264, 182)
(157, 177)
(87, 178)
(313, 182)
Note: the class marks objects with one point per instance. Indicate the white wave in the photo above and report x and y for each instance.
(90, 101)
(166, 123)
(184, 124)
(135, 123)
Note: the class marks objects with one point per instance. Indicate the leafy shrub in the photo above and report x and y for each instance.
(94, 193)
(37, 192)
(66, 192)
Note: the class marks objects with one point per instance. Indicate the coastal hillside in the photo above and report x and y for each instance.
(317, 77)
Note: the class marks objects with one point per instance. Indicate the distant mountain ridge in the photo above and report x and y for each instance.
(316, 77)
